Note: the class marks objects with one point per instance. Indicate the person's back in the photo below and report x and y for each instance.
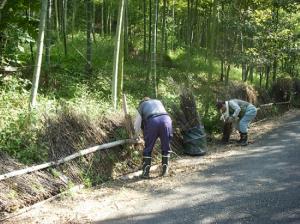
(150, 108)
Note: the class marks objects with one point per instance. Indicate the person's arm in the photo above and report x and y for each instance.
(235, 107)
(137, 124)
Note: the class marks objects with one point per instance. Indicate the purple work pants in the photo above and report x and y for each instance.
(157, 127)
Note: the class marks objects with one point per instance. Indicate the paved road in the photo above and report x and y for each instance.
(260, 184)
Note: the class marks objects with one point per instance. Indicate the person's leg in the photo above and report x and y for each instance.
(244, 124)
(165, 135)
(150, 136)
(151, 131)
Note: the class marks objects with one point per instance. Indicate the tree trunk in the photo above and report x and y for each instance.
(107, 18)
(121, 59)
(188, 24)
(227, 74)
(64, 25)
(247, 72)
(117, 53)
(212, 32)
(162, 50)
(260, 76)
(48, 42)
(145, 30)
(154, 51)
(274, 70)
(73, 17)
(243, 62)
(102, 19)
(93, 21)
(174, 23)
(126, 32)
(222, 70)
(57, 19)
(251, 73)
(111, 15)
(166, 30)
(28, 14)
(267, 75)
(88, 68)
(149, 56)
(150, 33)
(39, 57)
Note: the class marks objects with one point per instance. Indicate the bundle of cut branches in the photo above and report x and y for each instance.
(21, 191)
(187, 115)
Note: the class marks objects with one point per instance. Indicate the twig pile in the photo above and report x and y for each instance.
(187, 116)
(24, 190)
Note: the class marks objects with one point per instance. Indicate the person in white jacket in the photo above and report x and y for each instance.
(239, 112)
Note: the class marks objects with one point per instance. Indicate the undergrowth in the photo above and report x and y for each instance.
(69, 87)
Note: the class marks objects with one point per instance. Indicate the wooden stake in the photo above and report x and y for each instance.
(128, 119)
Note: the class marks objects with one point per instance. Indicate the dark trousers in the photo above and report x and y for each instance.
(157, 127)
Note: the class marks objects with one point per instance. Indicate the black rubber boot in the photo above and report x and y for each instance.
(165, 165)
(146, 167)
(241, 137)
(244, 139)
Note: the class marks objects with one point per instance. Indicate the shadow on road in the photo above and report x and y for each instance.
(260, 185)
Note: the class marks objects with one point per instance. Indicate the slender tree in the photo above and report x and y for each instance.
(154, 51)
(64, 25)
(74, 17)
(102, 18)
(39, 56)
(56, 5)
(150, 36)
(211, 42)
(48, 41)
(145, 30)
(163, 32)
(88, 37)
(93, 17)
(116, 64)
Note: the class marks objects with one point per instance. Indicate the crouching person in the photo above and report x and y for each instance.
(240, 113)
(155, 122)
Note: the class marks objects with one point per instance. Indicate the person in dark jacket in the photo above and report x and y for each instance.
(155, 122)
(240, 113)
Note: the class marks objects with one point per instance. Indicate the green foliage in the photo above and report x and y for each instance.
(17, 126)
(16, 30)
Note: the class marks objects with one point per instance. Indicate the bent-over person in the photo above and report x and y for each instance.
(240, 113)
(155, 122)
